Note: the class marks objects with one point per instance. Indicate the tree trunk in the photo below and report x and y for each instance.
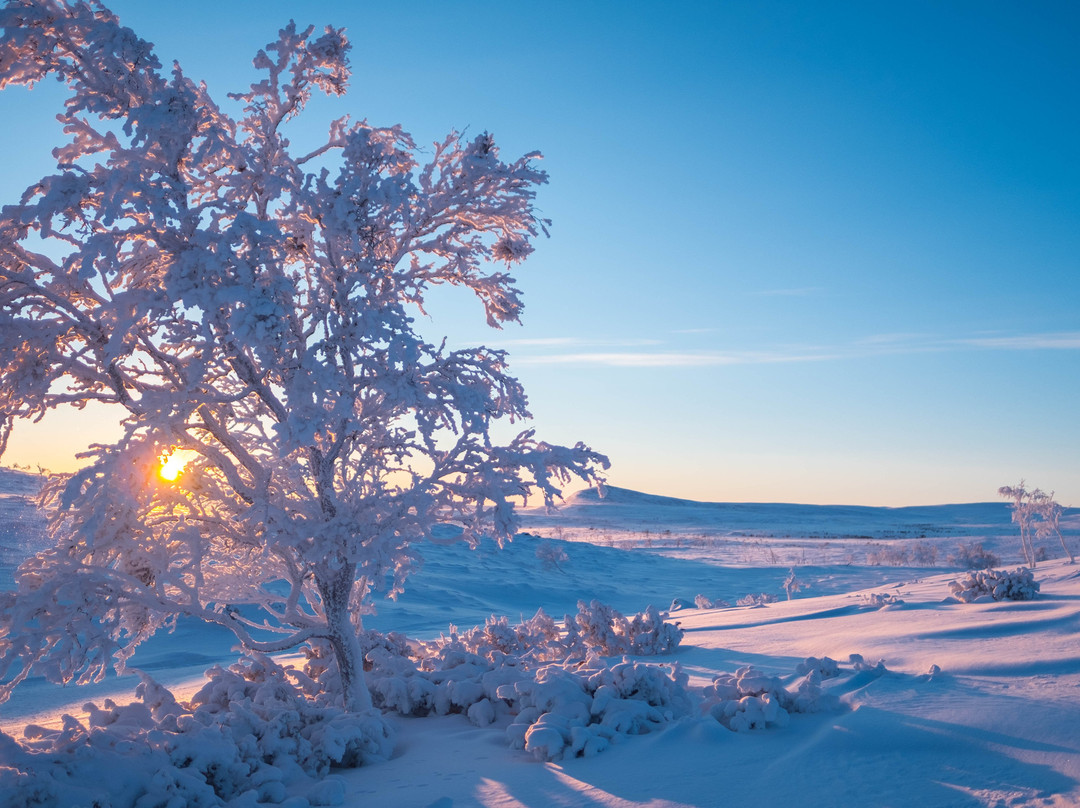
(335, 589)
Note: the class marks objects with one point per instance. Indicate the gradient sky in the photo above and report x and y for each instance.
(807, 252)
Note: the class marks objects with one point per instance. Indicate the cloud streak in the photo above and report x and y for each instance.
(865, 347)
(673, 359)
(1058, 341)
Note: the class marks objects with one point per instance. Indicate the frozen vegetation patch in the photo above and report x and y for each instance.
(882, 600)
(253, 735)
(577, 708)
(758, 599)
(750, 699)
(702, 602)
(466, 671)
(979, 586)
(973, 556)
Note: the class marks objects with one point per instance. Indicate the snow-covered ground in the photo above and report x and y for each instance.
(976, 704)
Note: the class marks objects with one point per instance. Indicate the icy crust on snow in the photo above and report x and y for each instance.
(253, 735)
(980, 586)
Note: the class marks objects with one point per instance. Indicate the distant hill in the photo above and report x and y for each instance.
(633, 510)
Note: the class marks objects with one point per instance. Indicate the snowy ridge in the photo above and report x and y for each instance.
(622, 504)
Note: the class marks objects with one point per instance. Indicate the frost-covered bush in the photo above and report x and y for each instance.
(251, 734)
(1020, 584)
(552, 685)
(462, 671)
(760, 599)
(882, 600)
(973, 556)
(702, 602)
(750, 699)
(551, 556)
(888, 555)
(603, 628)
(826, 667)
(924, 554)
(577, 709)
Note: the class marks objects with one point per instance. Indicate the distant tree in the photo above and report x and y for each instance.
(250, 309)
(792, 584)
(1038, 515)
(1049, 519)
(1023, 513)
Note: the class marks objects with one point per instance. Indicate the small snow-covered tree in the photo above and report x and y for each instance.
(1023, 512)
(250, 309)
(1049, 513)
(1037, 514)
(792, 584)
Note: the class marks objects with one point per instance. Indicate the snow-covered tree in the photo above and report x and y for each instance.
(250, 311)
(1037, 514)
(1049, 513)
(1022, 515)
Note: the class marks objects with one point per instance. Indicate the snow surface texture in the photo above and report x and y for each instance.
(974, 704)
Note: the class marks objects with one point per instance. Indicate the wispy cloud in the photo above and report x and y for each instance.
(674, 359)
(885, 344)
(1057, 341)
(579, 342)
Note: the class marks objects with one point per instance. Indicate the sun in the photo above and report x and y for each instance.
(173, 462)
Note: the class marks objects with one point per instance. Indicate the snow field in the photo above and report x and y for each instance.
(973, 704)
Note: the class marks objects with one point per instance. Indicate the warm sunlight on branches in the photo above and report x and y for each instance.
(173, 463)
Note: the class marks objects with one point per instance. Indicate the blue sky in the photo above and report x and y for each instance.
(813, 252)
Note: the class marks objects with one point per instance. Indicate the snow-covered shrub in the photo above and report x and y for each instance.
(924, 554)
(601, 627)
(882, 600)
(251, 734)
(576, 710)
(702, 602)
(550, 681)
(551, 556)
(860, 665)
(750, 699)
(1019, 584)
(532, 638)
(760, 599)
(888, 555)
(651, 635)
(826, 667)
(461, 670)
(973, 556)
